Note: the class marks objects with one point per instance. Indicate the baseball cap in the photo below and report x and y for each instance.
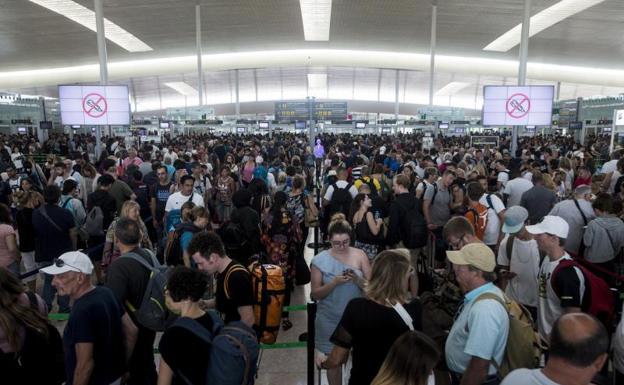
(475, 254)
(382, 150)
(70, 261)
(332, 173)
(551, 224)
(515, 217)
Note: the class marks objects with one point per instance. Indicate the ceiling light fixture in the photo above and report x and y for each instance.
(316, 16)
(182, 88)
(317, 85)
(86, 17)
(540, 21)
(451, 88)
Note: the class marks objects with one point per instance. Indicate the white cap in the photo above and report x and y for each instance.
(551, 224)
(70, 261)
(382, 150)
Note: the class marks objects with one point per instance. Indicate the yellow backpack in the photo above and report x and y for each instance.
(524, 347)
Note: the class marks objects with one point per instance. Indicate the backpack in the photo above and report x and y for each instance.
(94, 223)
(371, 184)
(173, 253)
(153, 313)
(40, 361)
(341, 200)
(523, 348)
(601, 303)
(233, 354)
(415, 226)
(386, 191)
(234, 238)
(269, 288)
(480, 217)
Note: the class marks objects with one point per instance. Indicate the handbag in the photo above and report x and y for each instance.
(303, 275)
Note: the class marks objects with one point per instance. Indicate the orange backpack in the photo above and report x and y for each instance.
(477, 216)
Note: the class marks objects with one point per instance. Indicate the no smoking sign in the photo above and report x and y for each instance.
(518, 105)
(94, 105)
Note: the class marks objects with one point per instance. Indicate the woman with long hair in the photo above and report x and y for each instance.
(338, 275)
(196, 220)
(410, 361)
(298, 202)
(130, 209)
(388, 293)
(281, 237)
(88, 182)
(27, 201)
(367, 227)
(24, 312)
(225, 189)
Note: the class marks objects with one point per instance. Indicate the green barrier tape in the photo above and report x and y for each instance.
(58, 316)
(296, 308)
(279, 345)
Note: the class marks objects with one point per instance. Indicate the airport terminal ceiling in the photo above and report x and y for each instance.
(33, 37)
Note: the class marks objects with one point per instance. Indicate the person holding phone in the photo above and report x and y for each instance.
(338, 276)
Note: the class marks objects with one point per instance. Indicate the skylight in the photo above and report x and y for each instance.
(182, 88)
(540, 21)
(451, 88)
(316, 16)
(86, 17)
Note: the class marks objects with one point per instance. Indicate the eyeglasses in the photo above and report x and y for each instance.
(345, 242)
(60, 263)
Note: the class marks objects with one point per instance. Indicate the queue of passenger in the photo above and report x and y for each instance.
(541, 231)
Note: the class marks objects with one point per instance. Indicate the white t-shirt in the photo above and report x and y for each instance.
(492, 228)
(340, 184)
(503, 177)
(515, 188)
(610, 166)
(614, 177)
(176, 200)
(549, 304)
(525, 260)
(527, 377)
(528, 175)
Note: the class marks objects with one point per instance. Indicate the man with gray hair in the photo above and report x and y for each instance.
(99, 336)
(578, 212)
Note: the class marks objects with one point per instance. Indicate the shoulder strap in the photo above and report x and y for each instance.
(580, 211)
(66, 202)
(404, 315)
(32, 298)
(493, 296)
(488, 199)
(509, 247)
(612, 244)
(190, 198)
(227, 278)
(194, 327)
(435, 192)
(43, 212)
(142, 261)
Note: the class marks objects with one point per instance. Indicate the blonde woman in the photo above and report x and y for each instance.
(130, 209)
(410, 361)
(391, 286)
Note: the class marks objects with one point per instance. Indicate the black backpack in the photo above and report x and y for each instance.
(41, 360)
(173, 253)
(234, 238)
(414, 233)
(341, 200)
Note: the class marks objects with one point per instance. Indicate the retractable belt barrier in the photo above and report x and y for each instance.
(35, 271)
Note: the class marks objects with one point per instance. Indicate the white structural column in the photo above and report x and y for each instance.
(200, 74)
(432, 49)
(237, 94)
(522, 68)
(101, 44)
(396, 95)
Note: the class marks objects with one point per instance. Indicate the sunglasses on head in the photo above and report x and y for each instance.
(60, 263)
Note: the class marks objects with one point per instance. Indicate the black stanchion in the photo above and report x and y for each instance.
(310, 341)
(317, 187)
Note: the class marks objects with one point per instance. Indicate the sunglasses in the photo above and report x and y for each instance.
(60, 263)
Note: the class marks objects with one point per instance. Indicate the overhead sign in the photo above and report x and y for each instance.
(293, 111)
(619, 117)
(517, 105)
(94, 105)
(483, 141)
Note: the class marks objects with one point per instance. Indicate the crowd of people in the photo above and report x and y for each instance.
(540, 230)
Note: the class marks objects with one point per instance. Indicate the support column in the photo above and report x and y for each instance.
(522, 67)
(101, 44)
(200, 74)
(237, 93)
(558, 94)
(396, 95)
(434, 26)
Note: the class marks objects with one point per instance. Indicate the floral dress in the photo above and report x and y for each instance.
(280, 241)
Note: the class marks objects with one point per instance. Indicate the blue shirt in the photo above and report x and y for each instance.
(480, 330)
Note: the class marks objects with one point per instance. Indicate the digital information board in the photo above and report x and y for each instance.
(94, 105)
(293, 111)
(517, 105)
(483, 141)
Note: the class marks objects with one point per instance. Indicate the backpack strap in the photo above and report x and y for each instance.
(580, 211)
(44, 213)
(190, 198)
(400, 309)
(134, 256)
(488, 199)
(194, 327)
(66, 202)
(509, 247)
(435, 192)
(504, 303)
(227, 278)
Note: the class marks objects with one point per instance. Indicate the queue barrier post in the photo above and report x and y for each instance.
(310, 341)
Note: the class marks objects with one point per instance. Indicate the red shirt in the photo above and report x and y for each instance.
(579, 181)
